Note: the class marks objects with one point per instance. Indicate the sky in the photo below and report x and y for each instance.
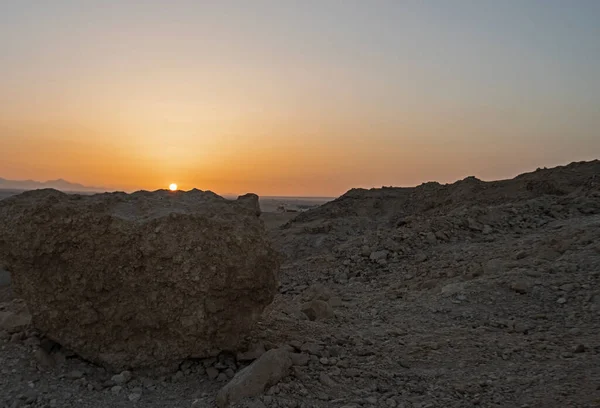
(307, 98)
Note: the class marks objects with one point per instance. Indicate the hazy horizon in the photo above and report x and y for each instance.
(288, 99)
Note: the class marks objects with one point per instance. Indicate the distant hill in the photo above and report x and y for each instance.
(60, 184)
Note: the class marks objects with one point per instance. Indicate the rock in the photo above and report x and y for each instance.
(122, 378)
(493, 267)
(431, 238)
(316, 292)
(312, 348)
(75, 374)
(44, 359)
(14, 321)
(265, 372)
(254, 351)
(326, 380)
(335, 301)
(379, 255)
(299, 359)
(521, 286)
(4, 278)
(521, 255)
(317, 310)
(212, 373)
(32, 341)
(140, 280)
(580, 348)
(134, 397)
(116, 389)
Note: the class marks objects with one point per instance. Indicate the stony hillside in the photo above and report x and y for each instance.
(474, 294)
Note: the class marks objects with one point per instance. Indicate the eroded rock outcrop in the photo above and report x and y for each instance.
(139, 280)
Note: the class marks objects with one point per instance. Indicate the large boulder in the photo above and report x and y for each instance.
(139, 280)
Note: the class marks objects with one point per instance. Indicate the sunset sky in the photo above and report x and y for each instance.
(284, 97)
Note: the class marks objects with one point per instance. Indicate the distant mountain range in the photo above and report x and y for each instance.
(60, 184)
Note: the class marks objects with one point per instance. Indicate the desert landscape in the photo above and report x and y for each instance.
(471, 294)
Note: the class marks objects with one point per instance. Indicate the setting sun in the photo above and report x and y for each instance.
(173, 187)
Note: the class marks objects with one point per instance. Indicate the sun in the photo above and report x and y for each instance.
(173, 187)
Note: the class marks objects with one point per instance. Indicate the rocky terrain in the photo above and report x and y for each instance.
(474, 294)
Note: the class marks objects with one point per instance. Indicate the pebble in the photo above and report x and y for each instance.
(121, 378)
(326, 380)
(212, 373)
(521, 287)
(299, 359)
(75, 374)
(134, 397)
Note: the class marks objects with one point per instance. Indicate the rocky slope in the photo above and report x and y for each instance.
(466, 295)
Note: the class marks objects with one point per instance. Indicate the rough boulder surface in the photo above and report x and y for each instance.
(139, 280)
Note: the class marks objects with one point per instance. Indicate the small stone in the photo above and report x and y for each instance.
(44, 359)
(312, 348)
(521, 255)
(335, 301)
(379, 255)
(521, 287)
(32, 341)
(561, 301)
(222, 377)
(371, 400)
(353, 372)
(326, 380)
(299, 359)
(568, 287)
(116, 389)
(317, 310)
(121, 378)
(265, 372)
(75, 374)
(254, 351)
(580, 348)
(212, 373)
(134, 397)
